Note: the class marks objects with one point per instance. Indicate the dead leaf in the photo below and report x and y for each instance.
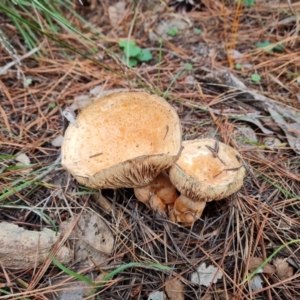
(283, 116)
(239, 58)
(283, 269)
(290, 128)
(206, 275)
(245, 135)
(24, 249)
(207, 297)
(222, 295)
(254, 118)
(23, 159)
(57, 141)
(93, 241)
(76, 290)
(256, 283)
(175, 289)
(255, 262)
(190, 79)
(80, 101)
(69, 114)
(273, 143)
(286, 117)
(116, 13)
(157, 296)
(97, 90)
(136, 291)
(170, 22)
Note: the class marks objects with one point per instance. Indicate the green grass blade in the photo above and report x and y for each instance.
(35, 210)
(124, 267)
(165, 94)
(70, 272)
(278, 187)
(256, 271)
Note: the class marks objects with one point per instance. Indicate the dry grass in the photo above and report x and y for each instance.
(256, 221)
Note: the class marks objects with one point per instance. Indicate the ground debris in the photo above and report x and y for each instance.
(157, 296)
(23, 249)
(116, 13)
(175, 289)
(256, 283)
(283, 269)
(23, 159)
(255, 262)
(206, 275)
(287, 118)
(91, 238)
(71, 69)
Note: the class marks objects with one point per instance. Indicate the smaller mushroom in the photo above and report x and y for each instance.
(206, 170)
(158, 194)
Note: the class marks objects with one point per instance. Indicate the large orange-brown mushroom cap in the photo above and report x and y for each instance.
(123, 140)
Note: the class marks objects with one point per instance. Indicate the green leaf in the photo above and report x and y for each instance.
(28, 81)
(124, 43)
(238, 67)
(255, 77)
(188, 67)
(263, 44)
(270, 47)
(279, 48)
(132, 61)
(51, 105)
(131, 51)
(173, 31)
(197, 31)
(249, 3)
(144, 55)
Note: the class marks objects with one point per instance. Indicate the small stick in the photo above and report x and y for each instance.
(215, 151)
(166, 131)
(94, 155)
(230, 169)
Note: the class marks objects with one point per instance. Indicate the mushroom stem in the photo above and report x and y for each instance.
(158, 194)
(186, 211)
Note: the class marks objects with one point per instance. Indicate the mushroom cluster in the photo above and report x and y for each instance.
(133, 139)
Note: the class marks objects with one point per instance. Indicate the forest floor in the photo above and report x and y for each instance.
(232, 72)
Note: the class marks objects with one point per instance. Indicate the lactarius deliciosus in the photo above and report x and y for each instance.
(159, 193)
(125, 139)
(206, 170)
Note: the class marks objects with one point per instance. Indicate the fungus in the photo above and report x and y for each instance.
(206, 170)
(158, 194)
(125, 139)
